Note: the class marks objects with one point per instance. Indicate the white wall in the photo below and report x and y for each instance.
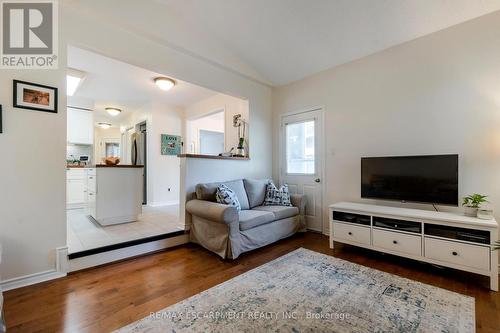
(164, 170)
(32, 176)
(437, 94)
(231, 105)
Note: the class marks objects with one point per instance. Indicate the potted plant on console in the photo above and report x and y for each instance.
(472, 203)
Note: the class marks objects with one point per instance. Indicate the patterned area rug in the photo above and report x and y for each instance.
(305, 291)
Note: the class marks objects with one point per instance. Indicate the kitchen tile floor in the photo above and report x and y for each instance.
(84, 234)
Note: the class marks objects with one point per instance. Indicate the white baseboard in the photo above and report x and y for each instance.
(128, 252)
(76, 206)
(27, 280)
(104, 222)
(62, 259)
(163, 203)
(63, 265)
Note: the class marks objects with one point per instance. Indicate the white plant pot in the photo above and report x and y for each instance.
(469, 211)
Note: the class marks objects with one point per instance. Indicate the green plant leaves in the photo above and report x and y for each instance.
(474, 200)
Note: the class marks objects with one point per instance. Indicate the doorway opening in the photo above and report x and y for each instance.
(118, 114)
(205, 134)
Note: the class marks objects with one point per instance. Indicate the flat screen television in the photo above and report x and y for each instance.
(428, 179)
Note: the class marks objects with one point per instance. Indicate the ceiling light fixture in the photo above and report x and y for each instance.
(104, 125)
(164, 83)
(113, 111)
(74, 79)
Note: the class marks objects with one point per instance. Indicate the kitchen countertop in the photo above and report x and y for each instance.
(213, 157)
(119, 166)
(103, 166)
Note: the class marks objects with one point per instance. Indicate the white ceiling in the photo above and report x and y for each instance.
(280, 41)
(112, 83)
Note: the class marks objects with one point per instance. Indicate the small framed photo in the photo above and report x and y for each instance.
(34, 96)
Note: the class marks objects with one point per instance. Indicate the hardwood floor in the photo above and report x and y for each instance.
(109, 297)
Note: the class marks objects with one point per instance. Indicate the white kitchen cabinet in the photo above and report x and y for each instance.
(76, 188)
(91, 189)
(80, 126)
(118, 194)
(75, 193)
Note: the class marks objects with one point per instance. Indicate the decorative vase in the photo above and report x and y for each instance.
(240, 152)
(485, 214)
(470, 211)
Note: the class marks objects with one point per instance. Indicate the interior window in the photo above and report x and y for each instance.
(112, 149)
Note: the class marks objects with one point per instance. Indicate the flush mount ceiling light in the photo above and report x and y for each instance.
(113, 111)
(164, 83)
(74, 79)
(104, 125)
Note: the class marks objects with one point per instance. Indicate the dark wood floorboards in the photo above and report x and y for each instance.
(109, 297)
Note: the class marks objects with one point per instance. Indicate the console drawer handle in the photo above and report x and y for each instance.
(394, 242)
(454, 253)
(349, 233)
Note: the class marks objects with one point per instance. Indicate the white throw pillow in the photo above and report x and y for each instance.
(277, 197)
(226, 196)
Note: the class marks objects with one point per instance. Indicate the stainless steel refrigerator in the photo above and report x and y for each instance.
(139, 155)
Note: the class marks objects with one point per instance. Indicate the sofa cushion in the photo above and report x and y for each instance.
(226, 196)
(256, 191)
(280, 212)
(277, 197)
(252, 218)
(207, 191)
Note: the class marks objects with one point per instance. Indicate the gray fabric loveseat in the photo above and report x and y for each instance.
(227, 232)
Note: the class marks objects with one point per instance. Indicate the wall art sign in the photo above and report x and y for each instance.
(170, 144)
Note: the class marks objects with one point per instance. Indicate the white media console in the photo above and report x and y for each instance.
(439, 238)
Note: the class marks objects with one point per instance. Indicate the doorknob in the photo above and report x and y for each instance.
(317, 180)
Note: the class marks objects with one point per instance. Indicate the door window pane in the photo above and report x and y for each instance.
(300, 148)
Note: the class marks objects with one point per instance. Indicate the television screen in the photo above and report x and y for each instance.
(429, 179)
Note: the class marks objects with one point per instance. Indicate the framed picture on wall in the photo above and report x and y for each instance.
(170, 144)
(34, 96)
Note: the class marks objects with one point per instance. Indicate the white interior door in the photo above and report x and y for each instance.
(301, 147)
